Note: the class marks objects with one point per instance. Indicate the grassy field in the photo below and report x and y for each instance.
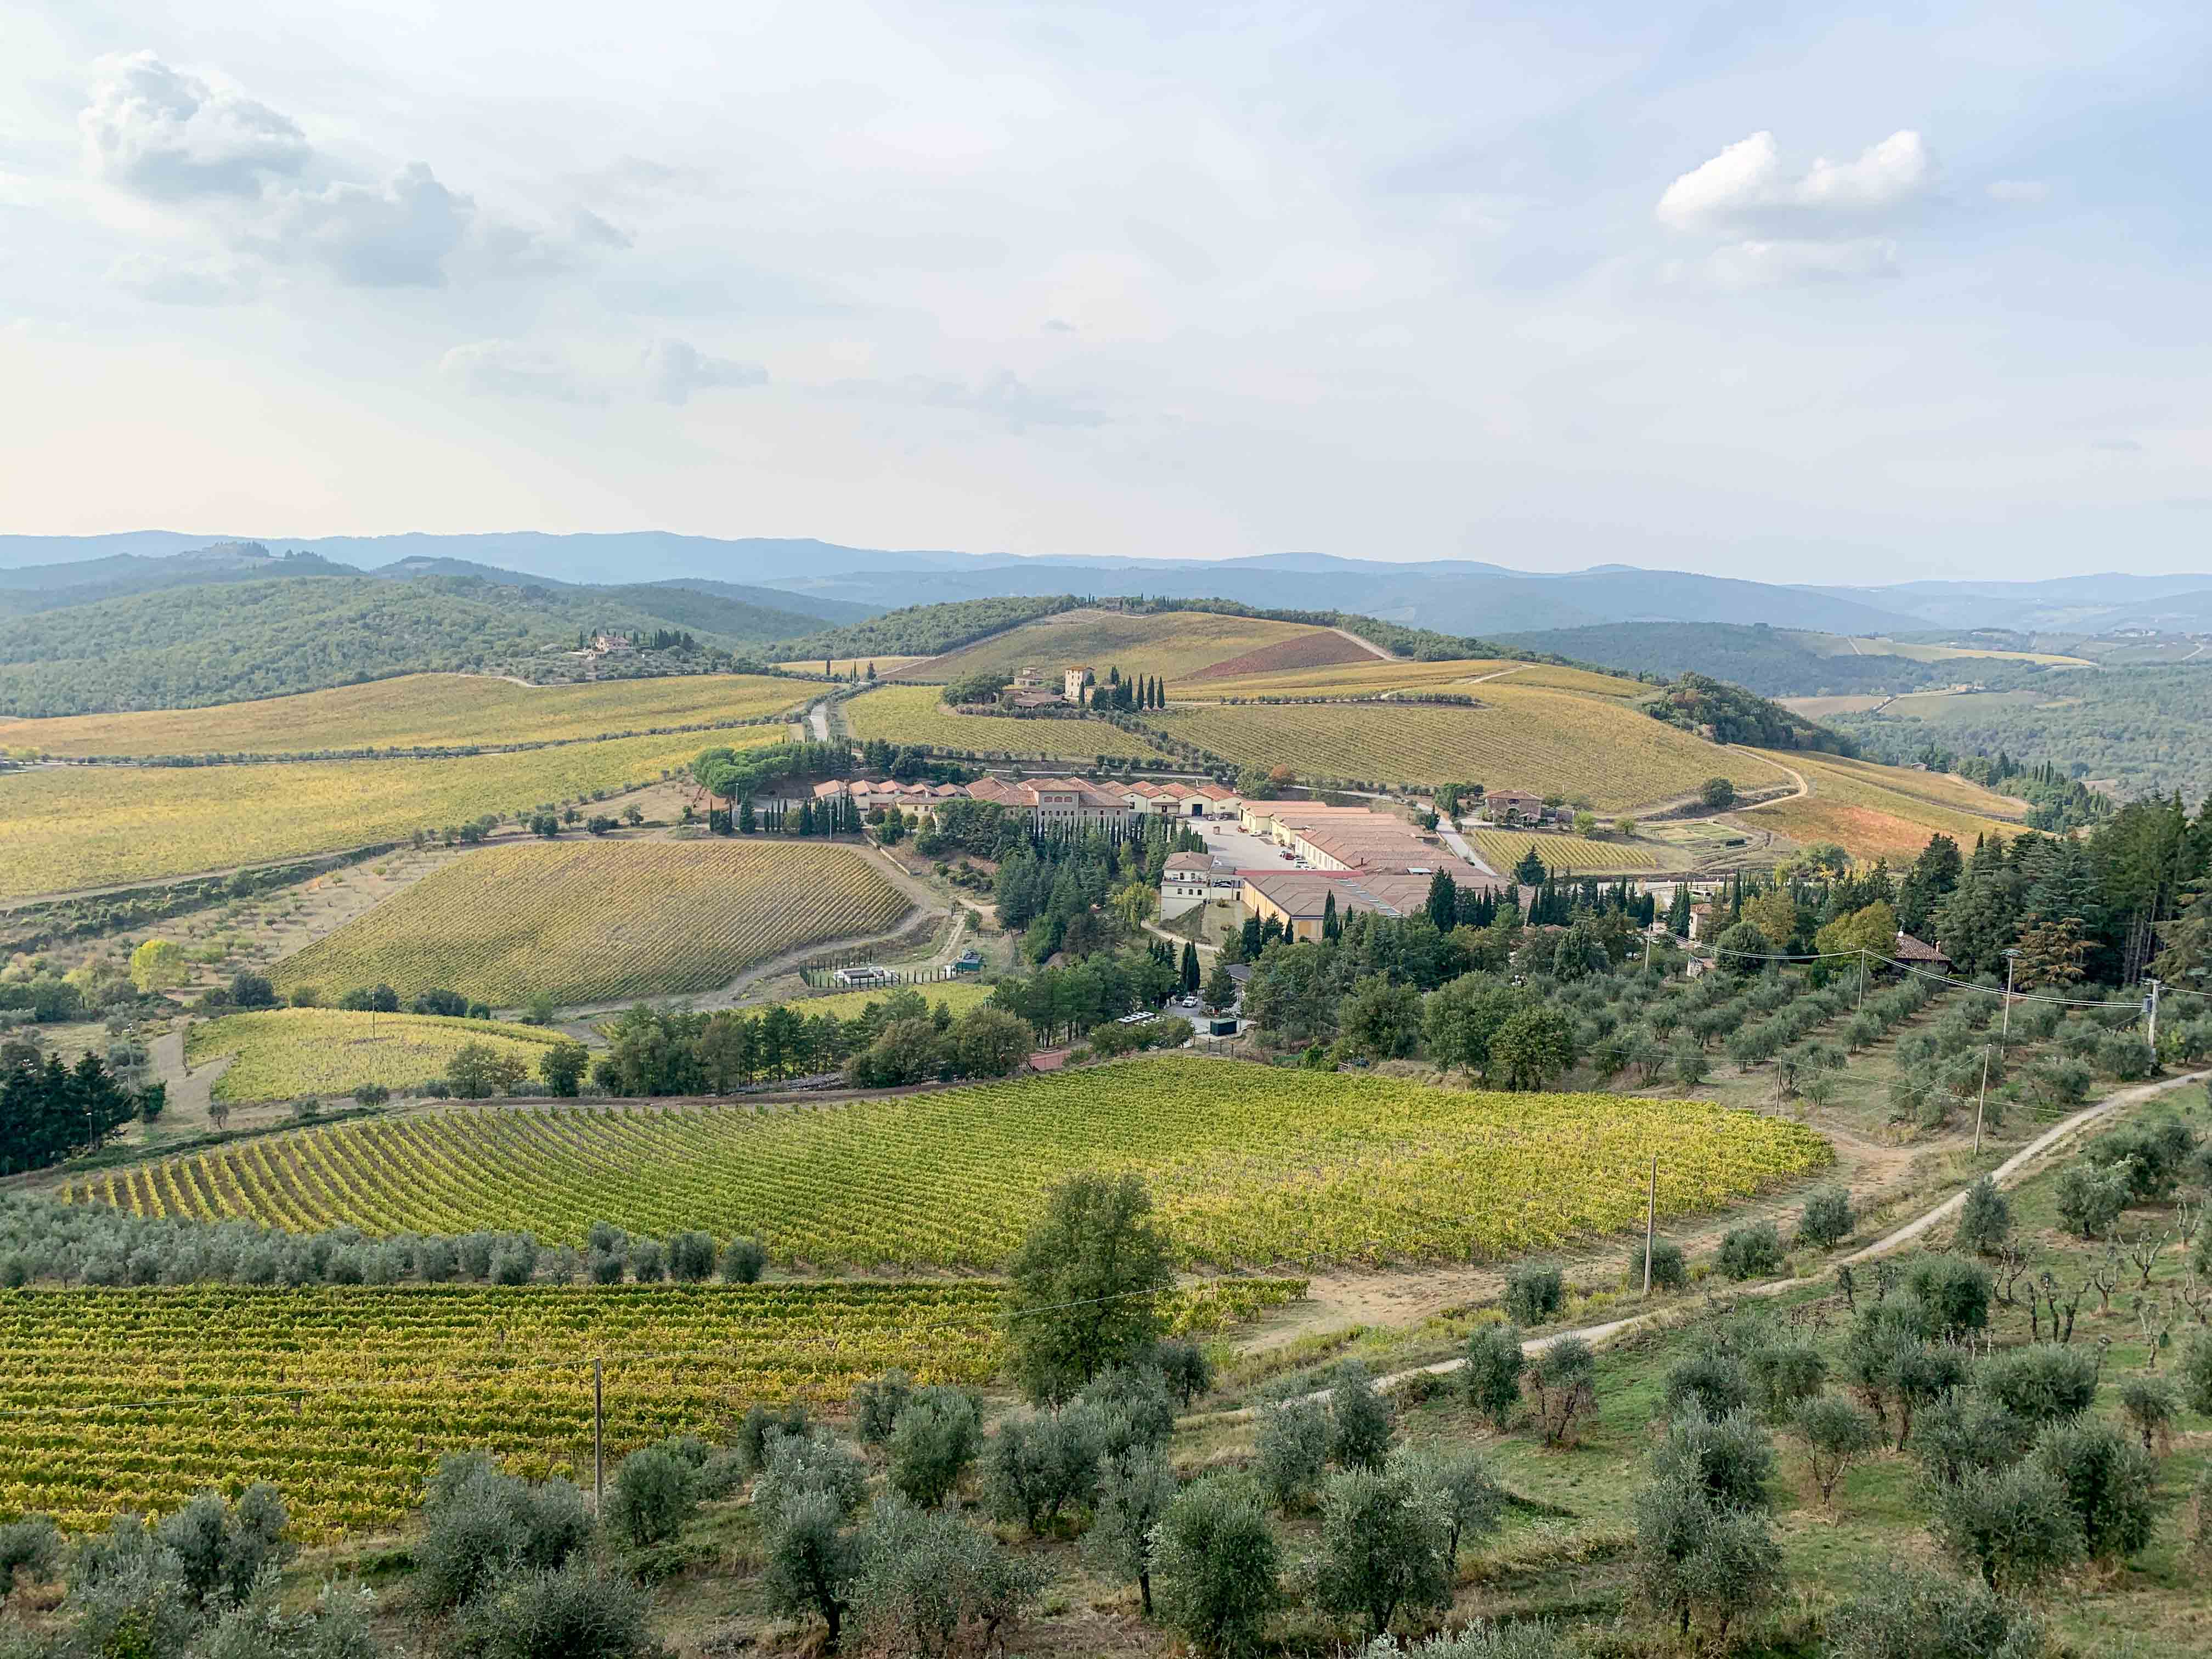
(1833, 645)
(1504, 848)
(279, 1052)
(414, 711)
(594, 921)
(1171, 645)
(1883, 812)
(345, 1396)
(1250, 1166)
(63, 827)
(1544, 741)
(917, 714)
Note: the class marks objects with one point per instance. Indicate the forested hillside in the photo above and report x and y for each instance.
(1731, 714)
(1771, 661)
(221, 642)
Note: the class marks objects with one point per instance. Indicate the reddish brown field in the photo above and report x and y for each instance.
(1316, 650)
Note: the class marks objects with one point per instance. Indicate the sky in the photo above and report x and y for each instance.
(1810, 293)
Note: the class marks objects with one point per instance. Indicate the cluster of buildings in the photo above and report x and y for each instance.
(1360, 860)
(1053, 803)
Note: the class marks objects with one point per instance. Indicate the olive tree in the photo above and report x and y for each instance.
(1382, 1538)
(1216, 1567)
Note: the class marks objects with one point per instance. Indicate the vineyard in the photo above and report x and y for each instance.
(595, 921)
(346, 1396)
(415, 710)
(1544, 741)
(1504, 848)
(884, 664)
(1171, 644)
(1250, 1167)
(917, 714)
(65, 828)
(958, 995)
(1367, 678)
(279, 1052)
(1883, 812)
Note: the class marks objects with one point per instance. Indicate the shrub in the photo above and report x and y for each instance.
(2108, 1481)
(1669, 1271)
(690, 1257)
(1292, 1451)
(810, 1562)
(1491, 1373)
(796, 1465)
(2044, 1382)
(1184, 1368)
(652, 1499)
(1751, 1252)
(605, 1267)
(1984, 1218)
(648, 1261)
(1970, 1434)
(478, 1522)
(371, 1094)
(1133, 1495)
(877, 1406)
(1216, 1567)
(1533, 1292)
(1954, 1291)
(928, 1580)
(32, 1546)
(1826, 1219)
(743, 1260)
(938, 1436)
(1728, 1458)
(760, 1426)
(1035, 1466)
(1359, 1419)
(1382, 1548)
(2092, 1197)
(1786, 1373)
(1908, 1613)
(2195, 1373)
(2152, 1407)
(221, 1548)
(1131, 1407)
(1836, 1433)
(1711, 1380)
(582, 1610)
(1563, 1378)
(1692, 1556)
(2014, 1527)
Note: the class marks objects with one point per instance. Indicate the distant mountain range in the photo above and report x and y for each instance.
(834, 583)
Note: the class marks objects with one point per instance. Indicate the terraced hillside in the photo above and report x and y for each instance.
(1883, 812)
(1172, 644)
(1250, 1166)
(64, 828)
(918, 715)
(414, 711)
(596, 920)
(1544, 741)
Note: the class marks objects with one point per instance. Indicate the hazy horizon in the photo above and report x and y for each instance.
(1816, 297)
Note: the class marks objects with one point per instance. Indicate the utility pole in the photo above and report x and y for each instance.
(1650, 1224)
(1983, 1105)
(2012, 957)
(2153, 1008)
(1861, 1003)
(599, 1443)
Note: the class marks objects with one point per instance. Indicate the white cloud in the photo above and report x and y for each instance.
(166, 136)
(1004, 398)
(250, 176)
(674, 369)
(1776, 264)
(1747, 182)
(2018, 190)
(515, 368)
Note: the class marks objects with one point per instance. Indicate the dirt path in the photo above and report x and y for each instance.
(2006, 1173)
(189, 1092)
(1494, 674)
(1365, 645)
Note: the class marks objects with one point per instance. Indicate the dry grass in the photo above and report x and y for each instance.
(1546, 742)
(1171, 645)
(1883, 812)
(917, 714)
(65, 828)
(281, 1053)
(595, 921)
(414, 711)
(884, 666)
